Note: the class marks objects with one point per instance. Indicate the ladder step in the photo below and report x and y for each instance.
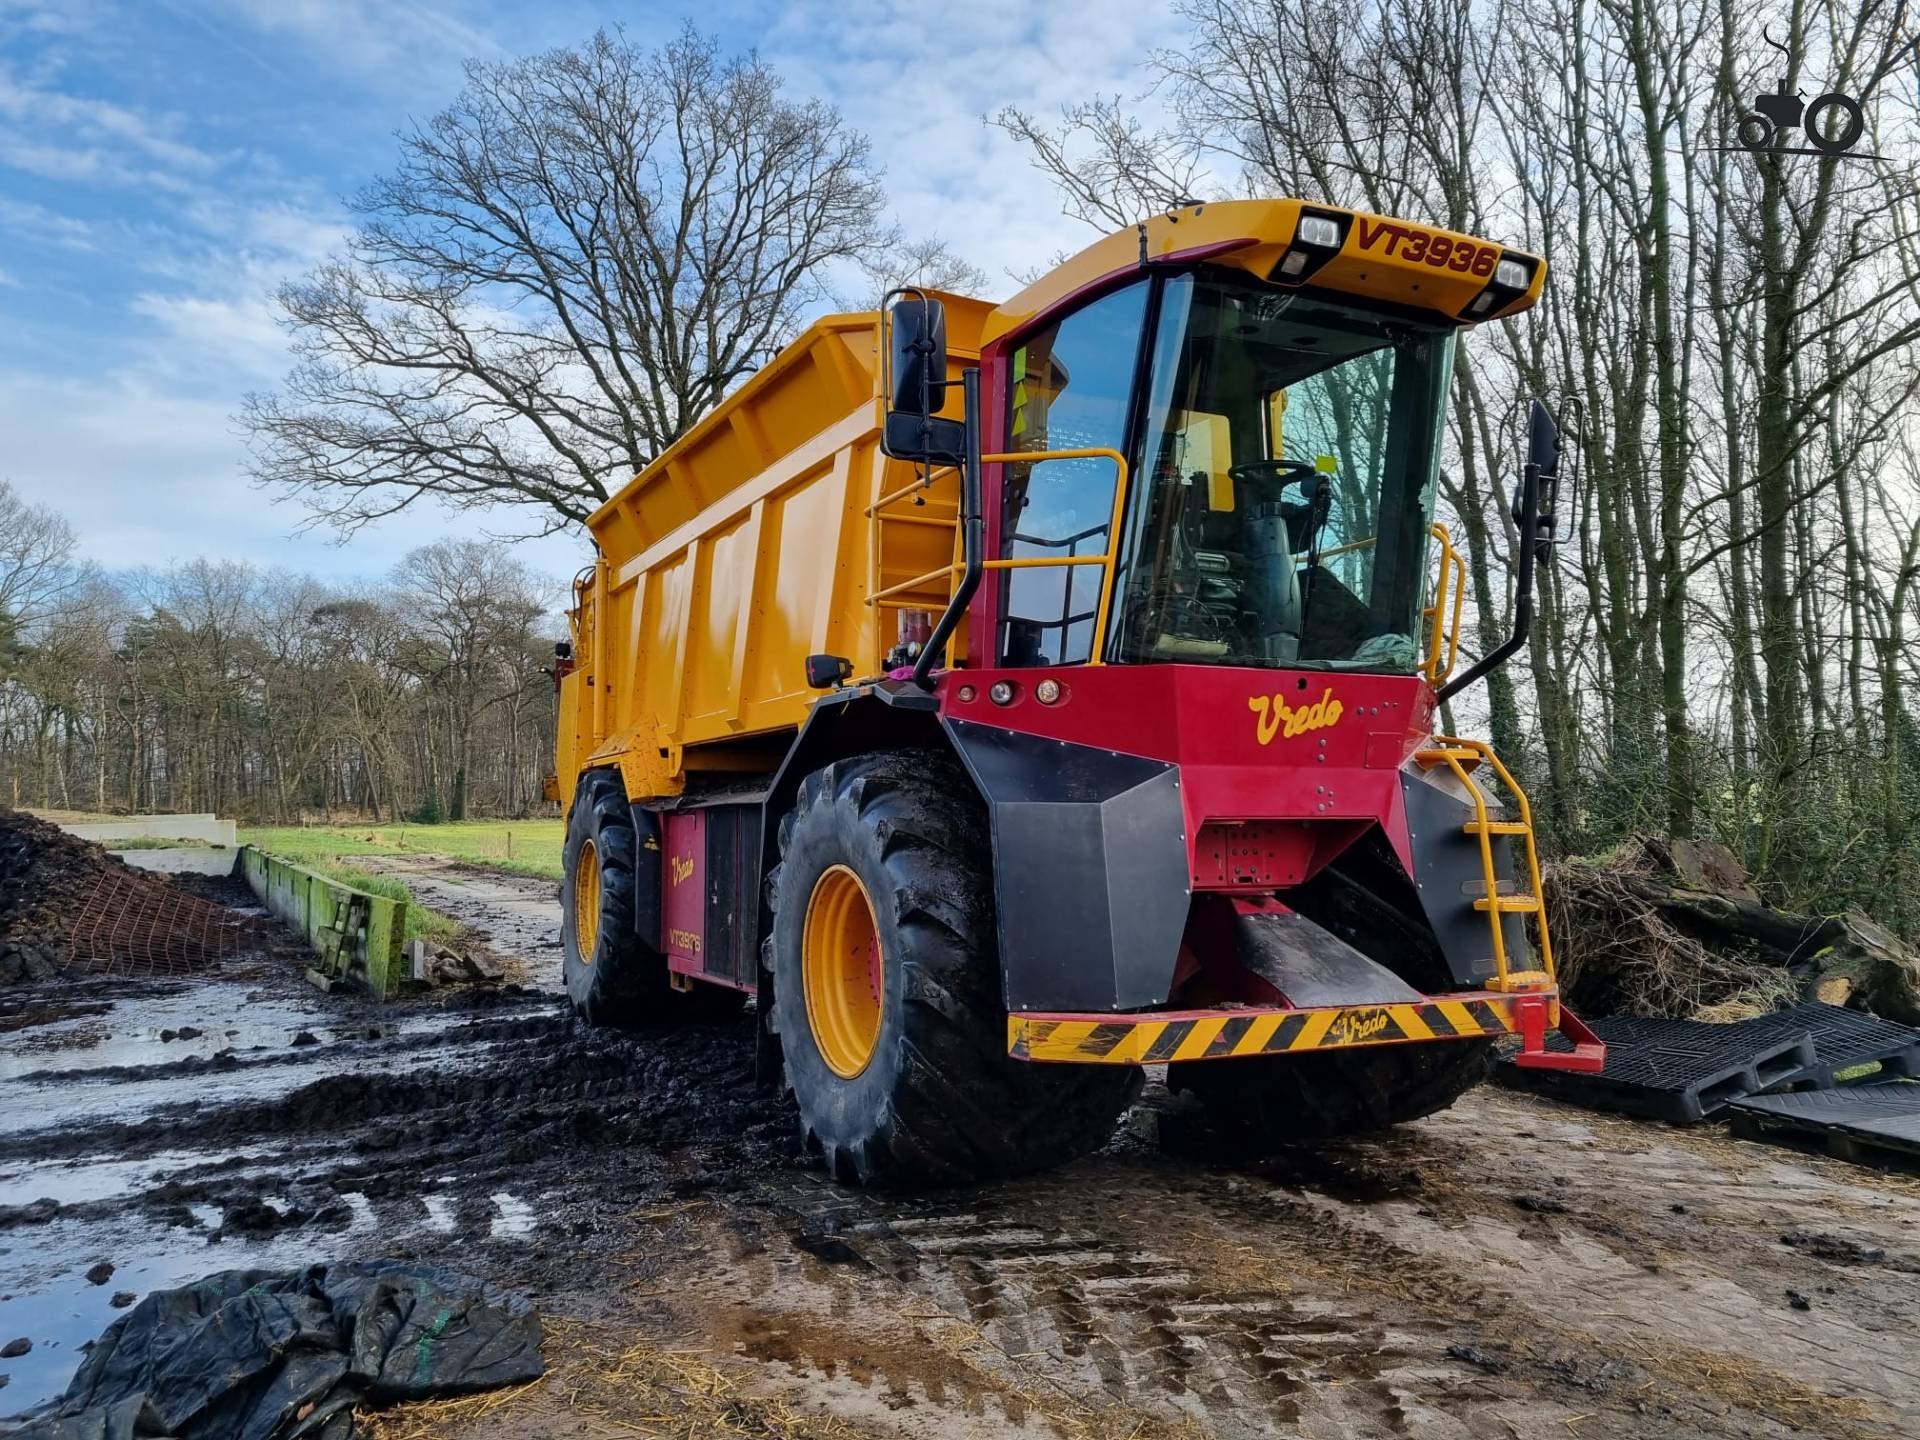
(1496, 827)
(1508, 885)
(1510, 904)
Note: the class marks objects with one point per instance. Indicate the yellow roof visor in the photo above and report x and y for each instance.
(1293, 242)
(1406, 264)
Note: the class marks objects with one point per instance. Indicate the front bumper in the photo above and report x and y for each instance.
(1157, 1037)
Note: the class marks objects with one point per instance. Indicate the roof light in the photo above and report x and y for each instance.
(1318, 230)
(1318, 236)
(1511, 275)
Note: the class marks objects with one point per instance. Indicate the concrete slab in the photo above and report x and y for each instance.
(185, 860)
(311, 903)
(204, 827)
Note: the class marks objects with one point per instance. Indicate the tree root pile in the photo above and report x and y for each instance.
(46, 875)
(67, 902)
(1673, 928)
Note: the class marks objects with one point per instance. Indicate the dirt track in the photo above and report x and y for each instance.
(1509, 1268)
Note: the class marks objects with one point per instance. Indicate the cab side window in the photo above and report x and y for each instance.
(1069, 388)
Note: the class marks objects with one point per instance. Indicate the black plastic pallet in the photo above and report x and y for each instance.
(1681, 1071)
(1867, 1124)
(1842, 1040)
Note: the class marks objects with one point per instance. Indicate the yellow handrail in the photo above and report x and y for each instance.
(877, 596)
(1445, 635)
(1346, 549)
(1112, 554)
(923, 484)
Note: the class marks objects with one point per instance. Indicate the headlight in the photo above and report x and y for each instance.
(1511, 275)
(1318, 230)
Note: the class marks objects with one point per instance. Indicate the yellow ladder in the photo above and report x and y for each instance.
(932, 589)
(1461, 757)
(913, 520)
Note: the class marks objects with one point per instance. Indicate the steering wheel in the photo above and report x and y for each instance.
(1278, 473)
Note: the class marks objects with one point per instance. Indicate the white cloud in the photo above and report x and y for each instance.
(217, 311)
(922, 92)
(149, 476)
(236, 334)
(142, 454)
(22, 220)
(388, 42)
(66, 136)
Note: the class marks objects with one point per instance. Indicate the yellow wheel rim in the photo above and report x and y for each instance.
(841, 971)
(586, 901)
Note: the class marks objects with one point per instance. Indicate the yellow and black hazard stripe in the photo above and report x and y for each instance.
(1227, 1034)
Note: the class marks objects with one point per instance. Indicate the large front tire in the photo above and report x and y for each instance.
(888, 1001)
(1255, 1106)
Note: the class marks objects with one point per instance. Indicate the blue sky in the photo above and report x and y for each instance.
(164, 164)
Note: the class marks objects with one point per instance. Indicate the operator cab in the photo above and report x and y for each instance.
(1284, 446)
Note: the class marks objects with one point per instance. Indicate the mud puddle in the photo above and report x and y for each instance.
(1508, 1268)
(487, 1129)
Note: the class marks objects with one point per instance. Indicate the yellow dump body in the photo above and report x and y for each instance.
(751, 543)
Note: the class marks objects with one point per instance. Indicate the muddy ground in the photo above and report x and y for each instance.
(1510, 1268)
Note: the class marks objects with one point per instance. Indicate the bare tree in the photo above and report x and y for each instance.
(36, 559)
(1111, 170)
(572, 263)
(1732, 339)
(927, 263)
(474, 614)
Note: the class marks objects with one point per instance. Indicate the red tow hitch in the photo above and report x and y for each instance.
(1531, 1014)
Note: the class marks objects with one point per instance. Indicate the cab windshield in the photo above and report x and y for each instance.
(1284, 486)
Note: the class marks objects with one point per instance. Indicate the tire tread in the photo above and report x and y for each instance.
(962, 1109)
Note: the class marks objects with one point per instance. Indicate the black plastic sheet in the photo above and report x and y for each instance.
(287, 1355)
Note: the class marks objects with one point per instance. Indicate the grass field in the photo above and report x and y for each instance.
(528, 847)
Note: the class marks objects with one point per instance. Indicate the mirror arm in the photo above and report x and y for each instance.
(1522, 602)
(973, 522)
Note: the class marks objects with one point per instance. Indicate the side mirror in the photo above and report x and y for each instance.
(918, 366)
(1533, 502)
(1540, 480)
(916, 385)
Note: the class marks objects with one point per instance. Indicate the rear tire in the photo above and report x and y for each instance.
(1260, 1104)
(615, 978)
(932, 1097)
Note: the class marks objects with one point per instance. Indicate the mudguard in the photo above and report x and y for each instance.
(1090, 869)
(646, 876)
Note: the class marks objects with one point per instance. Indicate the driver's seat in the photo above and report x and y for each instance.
(1269, 538)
